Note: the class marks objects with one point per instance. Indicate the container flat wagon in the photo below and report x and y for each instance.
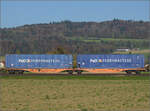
(38, 63)
(110, 63)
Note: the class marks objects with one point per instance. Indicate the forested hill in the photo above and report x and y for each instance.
(72, 36)
(115, 29)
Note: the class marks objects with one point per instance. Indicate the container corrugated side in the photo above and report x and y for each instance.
(110, 61)
(39, 61)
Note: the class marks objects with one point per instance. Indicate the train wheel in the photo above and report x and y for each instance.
(17, 72)
(138, 72)
(79, 72)
(11, 72)
(129, 72)
(21, 72)
(70, 72)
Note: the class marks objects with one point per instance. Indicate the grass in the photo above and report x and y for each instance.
(145, 72)
(98, 40)
(90, 93)
(81, 77)
(146, 51)
(115, 40)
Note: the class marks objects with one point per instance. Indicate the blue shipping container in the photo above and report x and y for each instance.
(39, 61)
(110, 61)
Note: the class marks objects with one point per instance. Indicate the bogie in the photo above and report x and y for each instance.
(128, 72)
(79, 72)
(138, 72)
(70, 72)
(133, 71)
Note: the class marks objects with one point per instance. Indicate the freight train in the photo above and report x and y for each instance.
(129, 63)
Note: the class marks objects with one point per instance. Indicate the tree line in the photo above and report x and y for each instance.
(48, 38)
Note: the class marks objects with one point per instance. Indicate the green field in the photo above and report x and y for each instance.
(116, 42)
(145, 52)
(90, 93)
(95, 39)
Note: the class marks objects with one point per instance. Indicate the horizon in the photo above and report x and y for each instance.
(20, 13)
(53, 22)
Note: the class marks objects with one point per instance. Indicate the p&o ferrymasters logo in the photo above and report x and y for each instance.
(109, 60)
(39, 60)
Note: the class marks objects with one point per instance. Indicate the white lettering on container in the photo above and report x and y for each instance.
(110, 60)
(39, 60)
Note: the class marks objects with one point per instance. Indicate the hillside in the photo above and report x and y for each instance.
(75, 37)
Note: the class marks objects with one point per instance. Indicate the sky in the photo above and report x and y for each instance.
(18, 13)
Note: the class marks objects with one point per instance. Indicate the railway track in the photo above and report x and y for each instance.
(85, 74)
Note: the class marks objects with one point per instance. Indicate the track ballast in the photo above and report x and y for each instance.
(85, 74)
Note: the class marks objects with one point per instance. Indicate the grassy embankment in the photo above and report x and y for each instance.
(50, 93)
